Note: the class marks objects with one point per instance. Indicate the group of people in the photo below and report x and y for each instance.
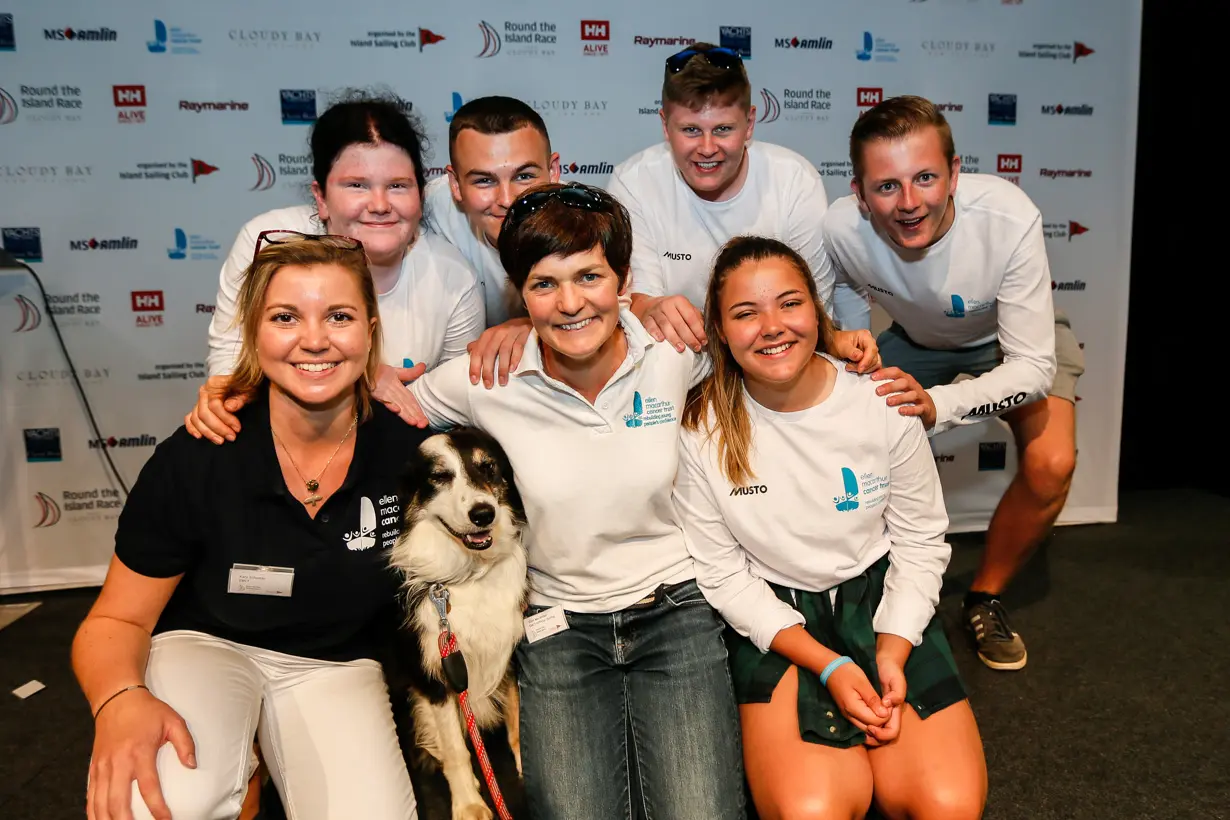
(730, 502)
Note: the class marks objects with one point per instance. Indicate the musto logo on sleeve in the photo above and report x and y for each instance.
(1006, 403)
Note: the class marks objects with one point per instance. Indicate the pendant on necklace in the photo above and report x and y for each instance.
(313, 500)
(313, 485)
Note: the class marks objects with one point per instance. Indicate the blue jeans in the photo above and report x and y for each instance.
(660, 670)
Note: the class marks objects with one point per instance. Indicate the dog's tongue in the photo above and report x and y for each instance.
(477, 537)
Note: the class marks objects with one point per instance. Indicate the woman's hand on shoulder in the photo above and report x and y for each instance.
(213, 417)
(906, 394)
(128, 733)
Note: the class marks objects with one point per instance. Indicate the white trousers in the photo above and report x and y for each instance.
(326, 732)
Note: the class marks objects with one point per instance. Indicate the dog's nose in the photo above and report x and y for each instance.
(482, 515)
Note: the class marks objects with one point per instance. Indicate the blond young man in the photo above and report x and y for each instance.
(965, 278)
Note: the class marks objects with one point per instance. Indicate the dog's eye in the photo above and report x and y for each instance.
(441, 476)
(486, 468)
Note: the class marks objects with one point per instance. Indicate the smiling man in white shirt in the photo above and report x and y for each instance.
(708, 182)
(965, 278)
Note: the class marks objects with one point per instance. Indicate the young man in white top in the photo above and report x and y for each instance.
(964, 276)
(498, 147)
(706, 183)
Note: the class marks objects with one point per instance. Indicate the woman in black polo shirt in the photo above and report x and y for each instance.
(259, 571)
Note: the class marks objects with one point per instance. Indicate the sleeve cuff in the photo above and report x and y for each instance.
(765, 631)
(903, 619)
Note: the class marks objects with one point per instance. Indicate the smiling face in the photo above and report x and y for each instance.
(768, 321)
(315, 334)
(573, 302)
(906, 187)
(490, 171)
(709, 146)
(371, 195)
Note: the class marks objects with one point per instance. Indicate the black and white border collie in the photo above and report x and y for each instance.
(461, 527)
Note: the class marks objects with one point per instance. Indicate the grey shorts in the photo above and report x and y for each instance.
(932, 367)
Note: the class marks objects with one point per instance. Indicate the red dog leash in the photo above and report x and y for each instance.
(453, 664)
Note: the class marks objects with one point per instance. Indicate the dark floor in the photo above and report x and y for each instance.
(1119, 715)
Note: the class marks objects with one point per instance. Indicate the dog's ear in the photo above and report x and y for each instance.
(415, 484)
(512, 495)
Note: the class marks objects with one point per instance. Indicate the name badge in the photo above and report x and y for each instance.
(251, 579)
(545, 624)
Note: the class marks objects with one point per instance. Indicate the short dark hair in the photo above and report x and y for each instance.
(893, 119)
(361, 117)
(700, 84)
(557, 229)
(495, 115)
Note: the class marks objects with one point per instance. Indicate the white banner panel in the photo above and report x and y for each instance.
(135, 140)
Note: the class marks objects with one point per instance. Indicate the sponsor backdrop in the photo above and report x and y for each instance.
(136, 141)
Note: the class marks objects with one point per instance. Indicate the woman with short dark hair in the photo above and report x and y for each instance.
(619, 633)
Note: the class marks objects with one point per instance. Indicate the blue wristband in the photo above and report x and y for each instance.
(832, 667)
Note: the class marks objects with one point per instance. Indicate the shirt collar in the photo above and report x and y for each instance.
(639, 341)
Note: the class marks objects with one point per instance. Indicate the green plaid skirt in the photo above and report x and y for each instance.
(845, 626)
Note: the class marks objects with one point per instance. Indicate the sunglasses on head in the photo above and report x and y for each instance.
(282, 237)
(723, 58)
(574, 195)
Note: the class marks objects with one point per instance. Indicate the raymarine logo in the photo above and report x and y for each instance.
(220, 105)
(678, 257)
(365, 536)
(1056, 173)
(990, 409)
(663, 41)
(751, 489)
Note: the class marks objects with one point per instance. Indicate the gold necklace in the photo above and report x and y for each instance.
(313, 484)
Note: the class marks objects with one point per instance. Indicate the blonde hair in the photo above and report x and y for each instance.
(248, 376)
(722, 391)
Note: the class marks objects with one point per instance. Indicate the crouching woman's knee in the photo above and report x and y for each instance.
(194, 794)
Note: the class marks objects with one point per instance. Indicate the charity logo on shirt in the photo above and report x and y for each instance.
(650, 411)
(365, 536)
(963, 307)
(848, 500)
(870, 486)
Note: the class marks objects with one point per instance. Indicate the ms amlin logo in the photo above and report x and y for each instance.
(8, 107)
(491, 40)
(848, 500)
(48, 511)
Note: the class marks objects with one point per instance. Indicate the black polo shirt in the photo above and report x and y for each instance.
(199, 509)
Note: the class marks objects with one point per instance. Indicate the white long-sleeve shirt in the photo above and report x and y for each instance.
(596, 477)
(676, 234)
(429, 316)
(444, 217)
(986, 279)
(836, 487)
